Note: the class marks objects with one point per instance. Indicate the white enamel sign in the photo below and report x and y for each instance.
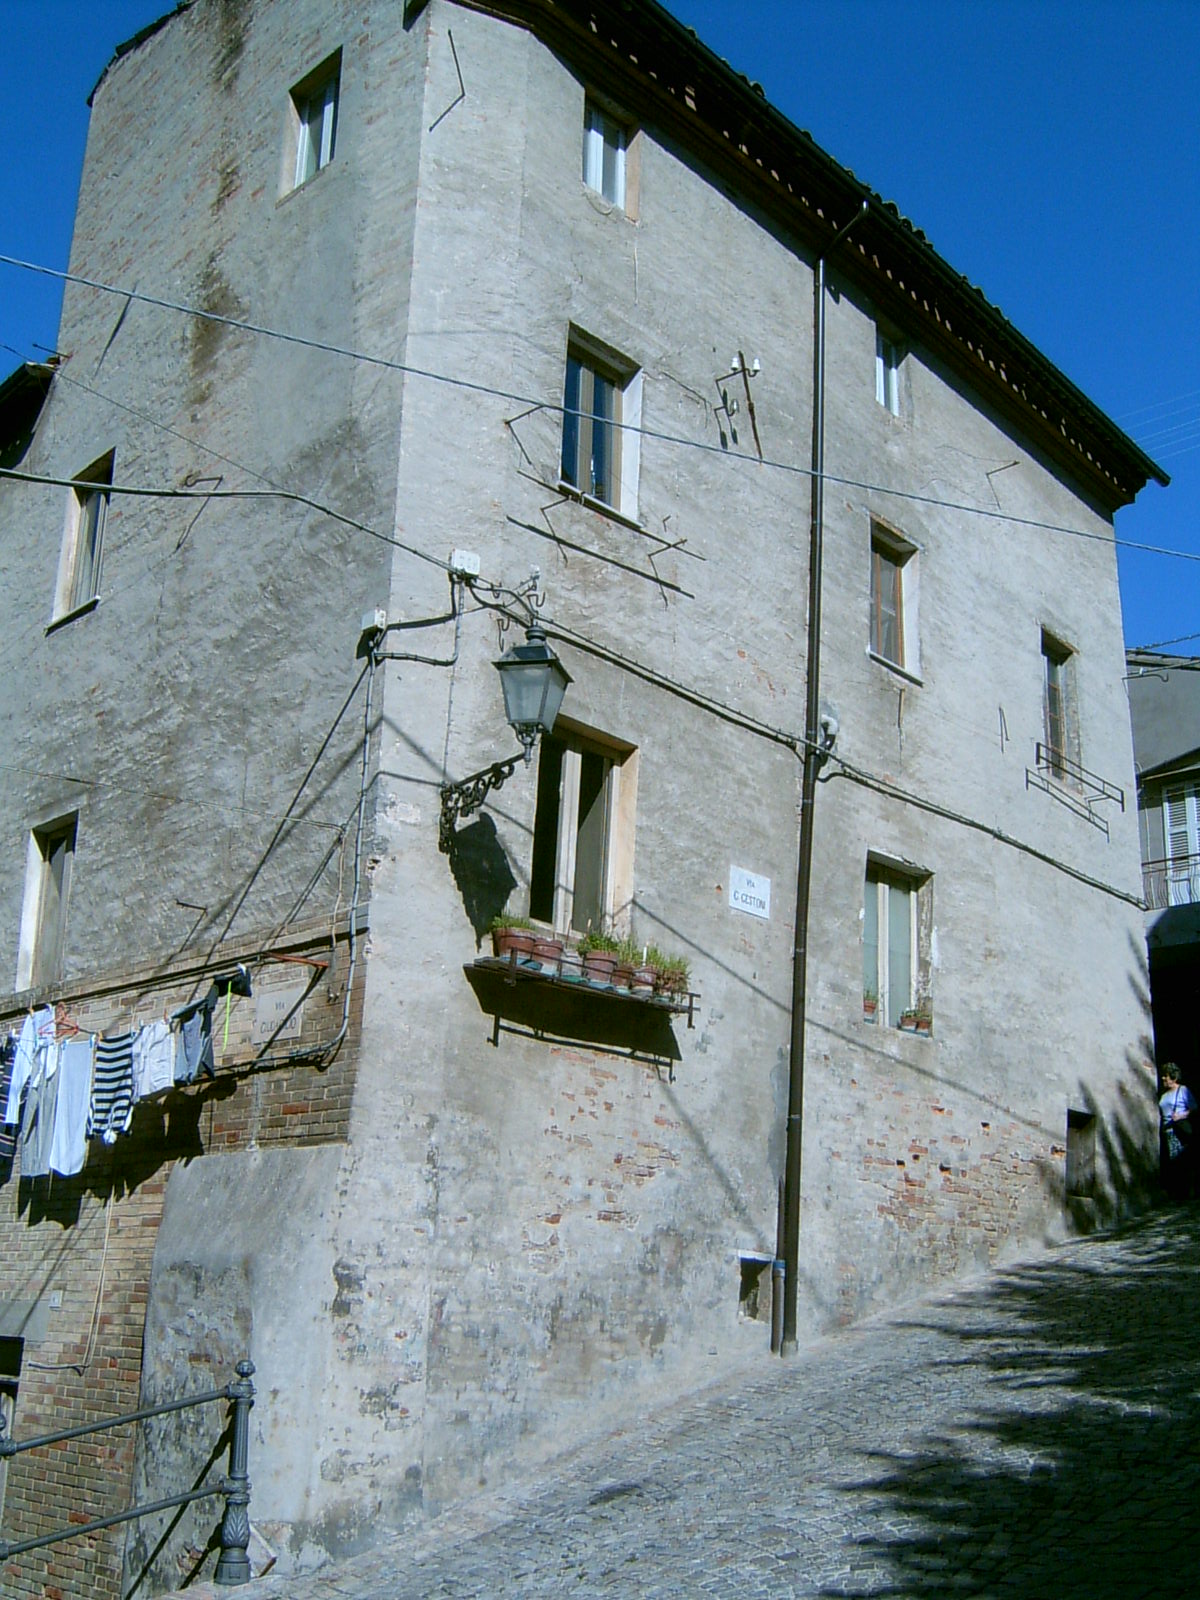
(750, 892)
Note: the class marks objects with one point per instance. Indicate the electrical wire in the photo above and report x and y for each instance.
(137, 491)
(558, 408)
(797, 742)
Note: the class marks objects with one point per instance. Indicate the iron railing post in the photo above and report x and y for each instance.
(233, 1564)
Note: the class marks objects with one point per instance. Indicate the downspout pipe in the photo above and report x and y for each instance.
(812, 762)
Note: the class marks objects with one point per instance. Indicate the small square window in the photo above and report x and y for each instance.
(1060, 752)
(897, 930)
(580, 874)
(605, 143)
(888, 356)
(44, 913)
(313, 121)
(83, 538)
(601, 415)
(893, 625)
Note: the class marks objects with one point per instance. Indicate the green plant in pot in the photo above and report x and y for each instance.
(512, 933)
(599, 953)
(672, 972)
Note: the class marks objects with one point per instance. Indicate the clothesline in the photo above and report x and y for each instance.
(66, 1086)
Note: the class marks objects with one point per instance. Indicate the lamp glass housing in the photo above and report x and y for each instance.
(534, 681)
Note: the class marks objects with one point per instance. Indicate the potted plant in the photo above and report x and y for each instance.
(645, 972)
(870, 1005)
(512, 933)
(548, 949)
(918, 1018)
(629, 957)
(672, 972)
(599, 952)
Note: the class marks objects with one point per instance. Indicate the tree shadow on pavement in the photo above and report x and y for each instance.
(1080, 1476)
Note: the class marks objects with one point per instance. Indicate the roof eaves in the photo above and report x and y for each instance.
(139, 38)
(783, 166)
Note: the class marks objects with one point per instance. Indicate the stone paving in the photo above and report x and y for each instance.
(1036, 1433)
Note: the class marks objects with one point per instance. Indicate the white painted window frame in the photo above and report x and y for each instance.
(604, 135)
(888, 358)
(81, 554)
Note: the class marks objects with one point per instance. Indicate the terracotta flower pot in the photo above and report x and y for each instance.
(643, 980)
(548, 951)
(598, 965)
(506, 940)
(623, 974)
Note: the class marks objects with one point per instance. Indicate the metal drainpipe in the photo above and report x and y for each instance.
(812, 732)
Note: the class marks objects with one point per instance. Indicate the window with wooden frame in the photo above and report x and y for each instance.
(581, 872)
(1060, 726)
(893, 633)
(78, 583)
(897, 937)
(44, 912)
(601, 415)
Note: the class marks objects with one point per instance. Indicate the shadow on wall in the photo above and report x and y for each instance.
(482, 873)
(1125, 1159)
(1080, 1477)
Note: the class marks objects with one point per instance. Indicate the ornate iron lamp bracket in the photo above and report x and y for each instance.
(464, 798)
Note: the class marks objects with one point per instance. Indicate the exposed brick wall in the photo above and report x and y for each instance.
(89, 1240)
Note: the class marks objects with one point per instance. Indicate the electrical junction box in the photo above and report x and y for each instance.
(464, 564)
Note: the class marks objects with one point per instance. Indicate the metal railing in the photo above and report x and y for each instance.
(233, 1564)
(1173, 882)
(1072, 785)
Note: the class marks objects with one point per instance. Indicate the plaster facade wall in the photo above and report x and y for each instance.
(519, 1237)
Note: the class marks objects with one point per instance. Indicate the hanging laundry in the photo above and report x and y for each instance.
(7, 1133)
(37, 1031)
(194, 1048)
(37, 1114)
(68, 1144)
(111, 1108)
(153, 1060)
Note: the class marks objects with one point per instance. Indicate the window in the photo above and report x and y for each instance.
(601, 407)
(581, 872)
(1061, 736)
(893, 598)
(83, 539)
(314, 120)
(888, 356)
(897, 927)
(44, 914)
(754, 1288)
(604, 150)
(1181, 817)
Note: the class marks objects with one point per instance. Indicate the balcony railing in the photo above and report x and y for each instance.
(1072, 785)
(1171, 883)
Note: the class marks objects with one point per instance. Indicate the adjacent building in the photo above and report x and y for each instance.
(373, 312)
(1164, 704)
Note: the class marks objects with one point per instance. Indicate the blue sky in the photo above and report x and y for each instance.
(1049, 149)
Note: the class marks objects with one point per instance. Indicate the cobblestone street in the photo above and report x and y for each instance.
(1033, 1434)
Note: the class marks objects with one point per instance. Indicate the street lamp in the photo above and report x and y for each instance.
(534, 681)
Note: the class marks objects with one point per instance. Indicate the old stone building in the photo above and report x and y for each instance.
(355, 287)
